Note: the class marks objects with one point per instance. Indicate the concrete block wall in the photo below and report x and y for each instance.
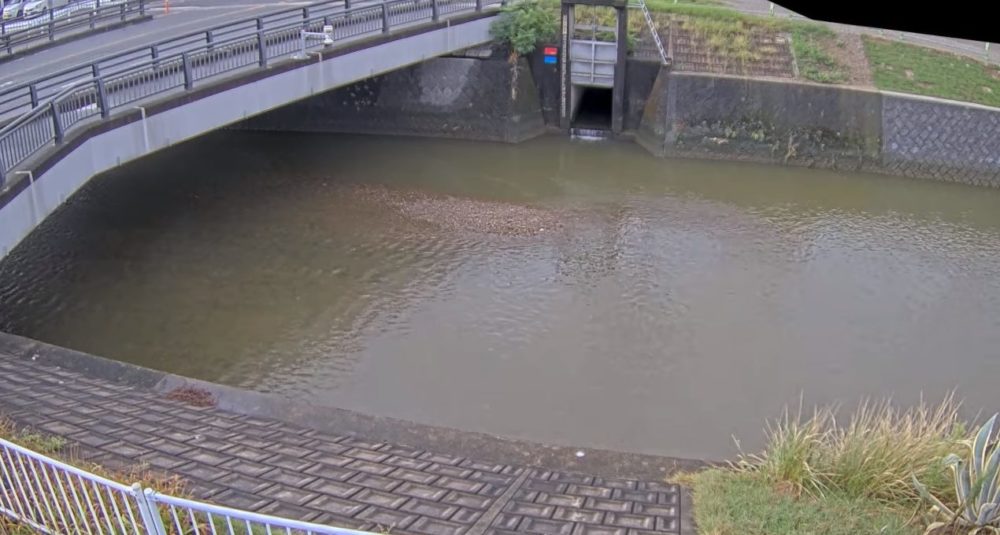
(452, 97)
(727, 117)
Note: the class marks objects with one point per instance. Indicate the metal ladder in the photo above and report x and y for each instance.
(652, 29)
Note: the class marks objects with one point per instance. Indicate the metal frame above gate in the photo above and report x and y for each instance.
(595, 61)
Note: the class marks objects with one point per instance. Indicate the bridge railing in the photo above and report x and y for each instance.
(97, 90)
(21, 98)
(50, 496)
(21, 33)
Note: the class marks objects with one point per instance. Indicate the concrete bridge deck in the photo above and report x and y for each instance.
(332, 475)
(114, 116)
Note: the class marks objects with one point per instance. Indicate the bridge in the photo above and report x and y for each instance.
(68, 126)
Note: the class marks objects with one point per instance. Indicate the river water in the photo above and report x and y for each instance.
(577, 293)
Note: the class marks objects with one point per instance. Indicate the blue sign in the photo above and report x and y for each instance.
(550, 60)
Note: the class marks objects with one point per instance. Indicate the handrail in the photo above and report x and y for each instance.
(28, 116)
(652, 29)
(104, 91)
(88, 13)
(21, 97)
(55, 497)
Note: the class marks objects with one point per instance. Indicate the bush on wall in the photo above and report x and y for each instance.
(523, 25)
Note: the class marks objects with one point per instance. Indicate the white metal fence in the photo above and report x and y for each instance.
(51, 497)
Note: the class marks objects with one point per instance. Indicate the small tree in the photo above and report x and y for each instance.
(524, 25)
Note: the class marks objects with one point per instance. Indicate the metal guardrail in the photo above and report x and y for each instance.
(96, 90)
(19, 99)
(652, 30)
(17, 34)
(50, 496)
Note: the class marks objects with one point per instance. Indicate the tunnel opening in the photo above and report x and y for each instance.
(593, 111)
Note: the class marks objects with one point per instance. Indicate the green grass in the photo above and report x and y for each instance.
(912, 69)
(728, 33)
(58, 448)
(743, 503)
(41, 443)
(809, 44)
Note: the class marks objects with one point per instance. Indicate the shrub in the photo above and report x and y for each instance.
(875, 456)
(524, 25)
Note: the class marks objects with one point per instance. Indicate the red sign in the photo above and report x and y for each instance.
(551, 51)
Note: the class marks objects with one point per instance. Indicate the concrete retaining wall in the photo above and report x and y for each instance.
(454, 97)
(711, 116)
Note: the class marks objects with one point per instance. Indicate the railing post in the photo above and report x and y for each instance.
(102, 99)
(91, 17)
(52, 25)
(305, 13)
(479, 5)
(210, 40)
(188, 78)
(434, 11)
(147, 511)
(124, 16)
(33, 93)
(142, 8)
(154, 54)
(57, 129)
(385, 18)
(347, 5)
(262, 49)
(260, 24)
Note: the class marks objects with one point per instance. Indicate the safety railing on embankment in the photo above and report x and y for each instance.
(44, 111)
(50, 496)
(24, 33)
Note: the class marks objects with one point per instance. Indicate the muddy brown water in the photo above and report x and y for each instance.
(577, 293)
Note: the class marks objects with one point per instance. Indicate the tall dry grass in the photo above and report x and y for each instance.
(872, 454)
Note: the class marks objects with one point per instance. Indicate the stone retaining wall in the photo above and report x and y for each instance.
(674, 115)
(713, 116)
(925, 137)
(464, 98)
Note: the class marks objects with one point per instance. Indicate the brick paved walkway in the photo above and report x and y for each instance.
(276, 468)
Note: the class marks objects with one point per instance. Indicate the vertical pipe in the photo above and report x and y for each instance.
(102, 99)
(188, 75)
(145, 128)
(57, 129)
(261, 48)
(618, 93)
(145, 502)
(52, 25)
(565, 75)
